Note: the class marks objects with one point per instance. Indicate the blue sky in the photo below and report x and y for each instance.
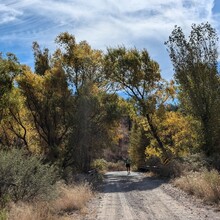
(102, 23)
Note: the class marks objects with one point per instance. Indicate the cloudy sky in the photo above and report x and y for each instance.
(103, 23)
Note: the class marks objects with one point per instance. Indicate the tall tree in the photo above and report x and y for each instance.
(11, 127)
(94, 115)
(195, 65)
(81, 63)
(95, 120)
(49, 102)
(138, 75)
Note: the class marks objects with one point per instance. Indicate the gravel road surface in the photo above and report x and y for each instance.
(137, 196)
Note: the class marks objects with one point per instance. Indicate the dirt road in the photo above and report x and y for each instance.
(136, 196)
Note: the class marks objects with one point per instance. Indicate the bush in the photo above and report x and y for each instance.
(24, 177)
(3, 214)
(170, 170)
(204, 184)
(103, 165)
(120, 165)
(69, 199)
(179, 166)
(99, 164)
(195, 162)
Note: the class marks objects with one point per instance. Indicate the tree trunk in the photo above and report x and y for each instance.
(156, 136)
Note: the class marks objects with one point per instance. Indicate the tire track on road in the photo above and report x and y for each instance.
(137, 197)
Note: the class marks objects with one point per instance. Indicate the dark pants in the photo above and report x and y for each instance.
(128, 166)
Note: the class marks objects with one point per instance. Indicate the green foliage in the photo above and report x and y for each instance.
(25, 177)
(99, 164)
(132, 71)
(117, 166)
(69, 111)
(41, 59)
(195, 64)
(95, 121)
(9, 68)
(3, 214)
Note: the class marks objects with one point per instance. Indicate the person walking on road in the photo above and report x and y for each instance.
(128, 165)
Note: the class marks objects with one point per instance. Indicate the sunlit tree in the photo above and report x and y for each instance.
(195, 65)
(49, 101)
(135, 73)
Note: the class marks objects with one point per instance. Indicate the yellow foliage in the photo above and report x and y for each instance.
(151, 151)
(177, 134)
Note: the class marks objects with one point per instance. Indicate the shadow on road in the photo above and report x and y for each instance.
(121, 182)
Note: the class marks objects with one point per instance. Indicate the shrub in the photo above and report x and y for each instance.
(69, 199)
(3, 214)
(204, 184)
(179, 166)
(172, 169)
(25, 177)
(99, 164)
(120, 165)
(103, 165)
(194, 162)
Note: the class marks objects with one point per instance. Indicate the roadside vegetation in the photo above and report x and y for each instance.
(204, 184)
(69, 199)
(65, 118)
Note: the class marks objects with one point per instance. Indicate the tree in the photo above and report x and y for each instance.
(15, 121)
(81, 63)
(195, 65)
(139, 140)
(135, 73)
(96, 112)
(95, 123)
(42, 60)
(9, 69)
(12, 129)
(49, 101)
(179, 134)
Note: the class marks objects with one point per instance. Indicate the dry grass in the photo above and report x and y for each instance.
(38, 211)
(205, 184)
(70, 199)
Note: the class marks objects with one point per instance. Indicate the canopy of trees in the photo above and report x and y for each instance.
(195, 65)
(68, 109)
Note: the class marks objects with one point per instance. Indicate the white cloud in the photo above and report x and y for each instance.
(141, 23)
(8, 14)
